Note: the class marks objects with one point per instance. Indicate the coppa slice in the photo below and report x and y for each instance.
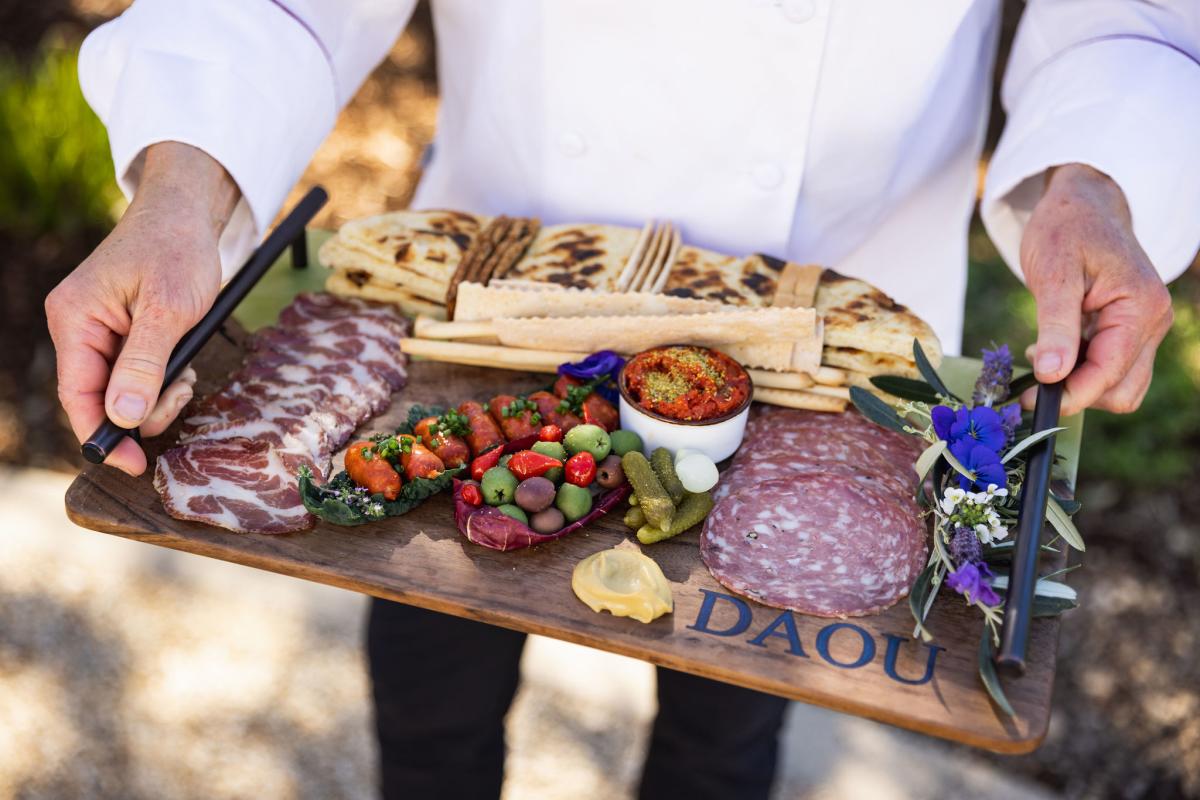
(816, 544)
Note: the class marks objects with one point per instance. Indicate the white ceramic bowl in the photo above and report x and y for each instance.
(717, 438)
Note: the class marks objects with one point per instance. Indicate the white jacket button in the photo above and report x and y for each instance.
(572, 144)
(799, 10)
(767, 175)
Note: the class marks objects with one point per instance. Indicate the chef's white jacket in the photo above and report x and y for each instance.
(845, 133)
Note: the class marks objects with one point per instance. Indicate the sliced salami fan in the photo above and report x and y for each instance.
(781, 466)
(816, 544)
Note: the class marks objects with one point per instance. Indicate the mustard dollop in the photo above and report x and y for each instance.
(624, 582)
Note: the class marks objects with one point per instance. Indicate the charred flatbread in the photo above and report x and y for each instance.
(360, 284)
(869, 363)
(577, 256)
(335, 255)
(860, 316)
(743, 281)
(429, 243)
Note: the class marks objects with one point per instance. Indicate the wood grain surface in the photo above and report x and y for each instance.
(864, 666)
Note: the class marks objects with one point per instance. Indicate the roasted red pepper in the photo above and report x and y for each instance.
(372, 471)
(485, 462)
(550, 433)
(472, 495)
(528, 464)
(581, 469)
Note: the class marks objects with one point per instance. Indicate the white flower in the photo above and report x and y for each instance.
(952, 497)
(999, 533)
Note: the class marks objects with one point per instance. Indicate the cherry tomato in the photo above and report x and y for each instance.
(471, 495)
(580, 469)
(550, 433)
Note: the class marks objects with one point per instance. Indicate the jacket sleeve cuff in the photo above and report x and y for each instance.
(243, 82)
(1127, 107)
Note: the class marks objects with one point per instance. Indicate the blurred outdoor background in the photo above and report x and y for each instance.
(126, 671)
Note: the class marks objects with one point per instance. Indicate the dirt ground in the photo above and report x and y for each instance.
(1126, 717)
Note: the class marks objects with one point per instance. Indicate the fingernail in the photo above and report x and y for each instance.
(183, 399)
(130, 407)
(1049, 363)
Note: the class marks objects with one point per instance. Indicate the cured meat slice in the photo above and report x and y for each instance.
(816, 544)
(753, 471)
(305, 385)
(241, 484)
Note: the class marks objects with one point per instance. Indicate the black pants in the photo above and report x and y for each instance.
(442, 686)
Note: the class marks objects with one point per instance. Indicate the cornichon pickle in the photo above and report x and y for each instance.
(635, 518)
(652, 497)
(692, 510)
(664, 468)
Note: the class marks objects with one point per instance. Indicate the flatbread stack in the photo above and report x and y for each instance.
(506, 280)
(404, 257)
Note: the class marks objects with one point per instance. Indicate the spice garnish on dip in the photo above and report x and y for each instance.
(686, 396)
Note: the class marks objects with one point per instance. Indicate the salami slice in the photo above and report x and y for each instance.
(818, 544)
(753, 471)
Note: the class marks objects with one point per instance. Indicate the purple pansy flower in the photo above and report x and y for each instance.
(983, 461)
(1010, 420)
(992, 385)
(974, 425)
(973, 580)
(598, 365)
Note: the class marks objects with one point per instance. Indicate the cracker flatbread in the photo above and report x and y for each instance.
(361, 285)
(859, 316)
(744, 281)
(577, 256)
(476, 301)
(632, 334)
(869, 363)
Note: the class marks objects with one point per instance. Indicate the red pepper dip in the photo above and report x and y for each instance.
(686, 383)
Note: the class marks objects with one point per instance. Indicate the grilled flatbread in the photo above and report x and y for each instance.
(334, 254)
(429, 243)
(577, 256)
(869, 363)
(861, 317)
(743, 281)
(360, 284)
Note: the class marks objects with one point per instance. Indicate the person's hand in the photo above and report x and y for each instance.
(116, 318)
(1091, 278)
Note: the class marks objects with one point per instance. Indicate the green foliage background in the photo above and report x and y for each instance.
(55, 170)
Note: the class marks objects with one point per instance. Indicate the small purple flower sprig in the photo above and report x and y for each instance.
(975, 458)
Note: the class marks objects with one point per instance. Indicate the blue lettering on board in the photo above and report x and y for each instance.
(710, 600)
(893, 650)
(868, 645)
(790, 633)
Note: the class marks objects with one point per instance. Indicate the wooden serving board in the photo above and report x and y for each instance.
(865, 666)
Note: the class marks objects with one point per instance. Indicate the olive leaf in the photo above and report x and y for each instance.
(987, 673)
(928, 458)
(1071, 507)
(1021, 383)
(1065, 527)
(875, 409)
(929, 373)
(906, 388)
(1030, 441)
(920, 597)
(958, 466)
(1051, 606)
